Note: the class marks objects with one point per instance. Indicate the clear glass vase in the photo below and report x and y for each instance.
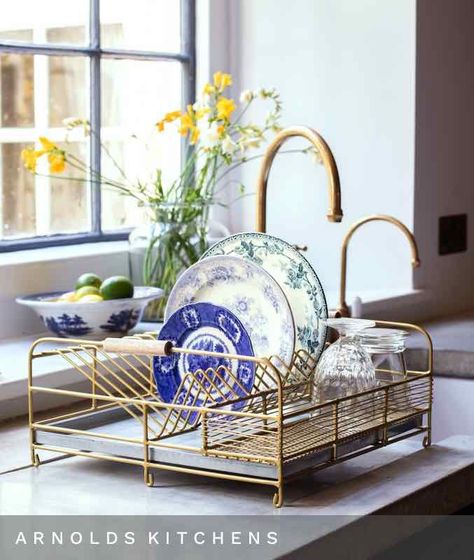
(345, 367)
(159, 251)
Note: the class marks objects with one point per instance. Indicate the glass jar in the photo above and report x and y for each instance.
(345, 367)
(386, 348)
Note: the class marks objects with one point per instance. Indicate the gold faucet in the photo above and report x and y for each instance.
(342, 309)
(335, 210)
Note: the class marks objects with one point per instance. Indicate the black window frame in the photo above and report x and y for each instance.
(95, 53)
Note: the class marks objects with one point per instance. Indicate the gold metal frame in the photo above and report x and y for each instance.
(279, 421)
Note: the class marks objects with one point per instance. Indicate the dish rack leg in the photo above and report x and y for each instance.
(427, 438)
(147, 474)
(148, 477)
(35, 460)
(278, 496)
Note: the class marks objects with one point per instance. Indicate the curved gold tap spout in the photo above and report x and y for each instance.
(343, 310)
(335, 210)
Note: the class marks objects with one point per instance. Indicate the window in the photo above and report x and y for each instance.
(121, 64)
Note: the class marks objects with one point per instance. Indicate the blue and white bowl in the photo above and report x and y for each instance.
(93, 320)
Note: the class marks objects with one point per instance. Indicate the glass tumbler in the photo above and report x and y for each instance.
(345, 367)
(386, 348)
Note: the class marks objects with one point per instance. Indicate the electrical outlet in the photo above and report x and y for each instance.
(452, 236)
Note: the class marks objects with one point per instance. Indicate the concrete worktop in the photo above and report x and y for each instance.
(403, 478)
(385, 480)
(453, 343)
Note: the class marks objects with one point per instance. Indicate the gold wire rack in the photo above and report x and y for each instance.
(268, 435)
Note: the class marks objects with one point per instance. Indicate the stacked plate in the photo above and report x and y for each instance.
(251, 294)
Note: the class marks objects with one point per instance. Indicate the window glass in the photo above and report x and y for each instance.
(37, 93)
(18, 201)
(67, 88)
(152, 25)
(47, 21)
(136, 95)
(16, 90)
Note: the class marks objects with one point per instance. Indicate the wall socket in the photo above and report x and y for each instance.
(452, 236)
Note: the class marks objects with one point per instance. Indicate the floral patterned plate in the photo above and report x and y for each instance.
(246, 290)
(294, 274)
(204, 326)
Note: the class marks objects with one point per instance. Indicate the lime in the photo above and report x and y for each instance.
(90, 298)
(87, 291)
(116, 287)
(88, 279)
(68, 296)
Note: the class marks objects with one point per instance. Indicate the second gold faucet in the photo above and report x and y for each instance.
(342, 309)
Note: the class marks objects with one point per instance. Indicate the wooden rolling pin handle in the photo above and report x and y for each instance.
(138, 346)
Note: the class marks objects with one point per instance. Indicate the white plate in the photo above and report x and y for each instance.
(294, 274)
(246, 290)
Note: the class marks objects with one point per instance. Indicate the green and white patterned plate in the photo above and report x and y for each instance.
(296, 277)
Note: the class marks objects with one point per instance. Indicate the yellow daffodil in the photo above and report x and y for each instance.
(30, 157)
(225, 107)
(186, 123)
(194, 135)
(201, 112)
(47, 145)
(57, 161)
(208, 89)
(221, 80)
(169, 117)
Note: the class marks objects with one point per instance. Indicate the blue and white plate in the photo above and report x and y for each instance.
(208, 327)
(249, 292)
(294, 274)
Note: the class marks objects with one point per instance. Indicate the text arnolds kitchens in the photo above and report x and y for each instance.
(152, 538)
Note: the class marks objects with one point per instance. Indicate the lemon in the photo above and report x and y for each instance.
(90, 298)
(68, 296)
(116, 287)
(87, 291)
(88, 279)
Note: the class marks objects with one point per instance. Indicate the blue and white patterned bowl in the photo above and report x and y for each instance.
(93, 320)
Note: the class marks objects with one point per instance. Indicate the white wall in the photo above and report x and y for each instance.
(346, 68)
(444, 153)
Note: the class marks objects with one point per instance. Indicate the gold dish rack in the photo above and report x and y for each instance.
(269, 435)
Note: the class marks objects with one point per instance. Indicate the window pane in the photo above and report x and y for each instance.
(18, 194)
(39, 205)
(16, 90)
(36, 93)
(68, 93)
(135, 96)
(48, 21)
(69, 206)
(141, 24)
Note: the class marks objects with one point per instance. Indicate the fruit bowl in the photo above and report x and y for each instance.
(94, 320)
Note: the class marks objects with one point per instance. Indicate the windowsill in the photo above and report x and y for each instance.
(48, 254)
(49, 371)
(375, 302)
